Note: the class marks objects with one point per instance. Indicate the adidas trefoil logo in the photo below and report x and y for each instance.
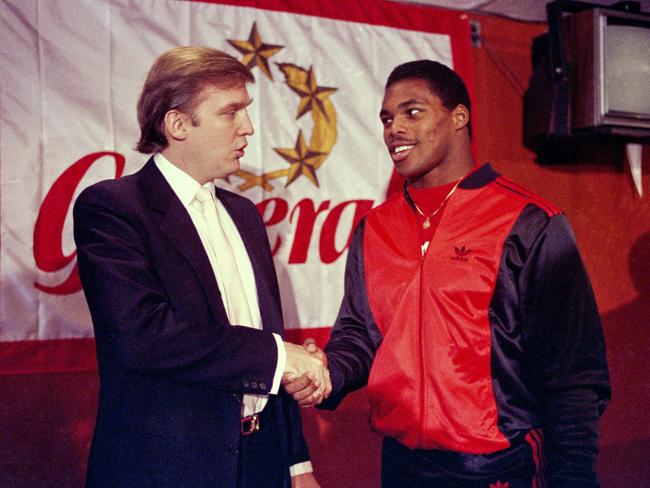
(461, 254)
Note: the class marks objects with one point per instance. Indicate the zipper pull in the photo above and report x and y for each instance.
(424, 248)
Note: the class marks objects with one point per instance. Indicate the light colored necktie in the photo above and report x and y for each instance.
(231, 286)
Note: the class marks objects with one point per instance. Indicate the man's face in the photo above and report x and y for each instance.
(216, 135)
(418, 130)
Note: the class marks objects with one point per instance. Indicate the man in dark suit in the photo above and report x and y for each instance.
(184, 300)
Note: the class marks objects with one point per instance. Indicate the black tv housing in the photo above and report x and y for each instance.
(590, 81)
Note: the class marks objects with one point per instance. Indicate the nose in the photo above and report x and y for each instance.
(246, 128)
(395, 128)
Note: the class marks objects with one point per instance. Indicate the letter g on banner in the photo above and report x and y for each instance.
(48, 230)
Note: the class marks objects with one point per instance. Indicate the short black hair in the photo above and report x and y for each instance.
(442, 80)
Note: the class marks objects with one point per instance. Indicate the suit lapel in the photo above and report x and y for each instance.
(177, 225)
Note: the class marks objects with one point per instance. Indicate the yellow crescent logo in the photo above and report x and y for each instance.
(303, 159)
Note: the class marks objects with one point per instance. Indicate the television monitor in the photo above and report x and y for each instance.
(608, 53)
(590, 81)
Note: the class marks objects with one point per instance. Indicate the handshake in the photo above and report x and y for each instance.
(306, 377)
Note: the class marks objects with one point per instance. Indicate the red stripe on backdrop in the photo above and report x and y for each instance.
(47, 356)
(75, 355)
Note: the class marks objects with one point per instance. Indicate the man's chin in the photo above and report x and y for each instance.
(232, 168)
(405, 171)
(226, 171)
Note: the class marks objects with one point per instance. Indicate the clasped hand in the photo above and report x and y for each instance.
(306, 377)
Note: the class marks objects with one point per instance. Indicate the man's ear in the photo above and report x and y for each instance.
(461, 116)
(176, 124)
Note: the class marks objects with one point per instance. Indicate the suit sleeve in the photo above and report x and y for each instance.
(567, 350)
(137, 327)
(298, 452)
(355, 337)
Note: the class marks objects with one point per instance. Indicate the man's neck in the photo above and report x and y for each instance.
(440, 176)
(180, 160)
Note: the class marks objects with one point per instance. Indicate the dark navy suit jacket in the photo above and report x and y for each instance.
(172, 368)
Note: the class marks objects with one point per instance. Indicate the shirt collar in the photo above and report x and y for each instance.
(183, 185)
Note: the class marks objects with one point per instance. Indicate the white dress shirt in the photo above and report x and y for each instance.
(185, 187)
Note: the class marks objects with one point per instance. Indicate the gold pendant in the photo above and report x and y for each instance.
(426, 224)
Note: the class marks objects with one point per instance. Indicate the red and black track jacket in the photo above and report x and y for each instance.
(494, 331)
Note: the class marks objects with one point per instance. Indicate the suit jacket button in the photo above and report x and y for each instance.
(233, 450)
(263, 386)
(246, 384)
(236, 397)
(254, 384)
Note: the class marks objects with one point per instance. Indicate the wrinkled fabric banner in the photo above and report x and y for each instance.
(71, 74)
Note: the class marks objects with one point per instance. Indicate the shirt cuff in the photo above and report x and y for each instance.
(301, 468)
(279, 369)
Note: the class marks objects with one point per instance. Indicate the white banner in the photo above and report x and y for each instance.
(71, 74)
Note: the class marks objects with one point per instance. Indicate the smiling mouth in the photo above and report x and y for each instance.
(399, 149)
(401, 152)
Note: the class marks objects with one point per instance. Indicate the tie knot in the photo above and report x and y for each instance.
(204, 196)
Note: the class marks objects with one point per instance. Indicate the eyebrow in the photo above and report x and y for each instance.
(403, 105)
(236, 105)
(408, 103)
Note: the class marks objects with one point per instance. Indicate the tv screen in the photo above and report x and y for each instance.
(626, 68)
(609, 56)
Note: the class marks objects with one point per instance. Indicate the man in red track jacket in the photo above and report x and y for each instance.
(467, 313)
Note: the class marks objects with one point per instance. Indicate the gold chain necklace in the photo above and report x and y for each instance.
(426, 224)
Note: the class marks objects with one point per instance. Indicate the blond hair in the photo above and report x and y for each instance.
(175, 81)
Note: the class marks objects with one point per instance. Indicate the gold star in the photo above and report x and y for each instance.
(314, 95)
(304, 84)
(302, 160)
(255, 52)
